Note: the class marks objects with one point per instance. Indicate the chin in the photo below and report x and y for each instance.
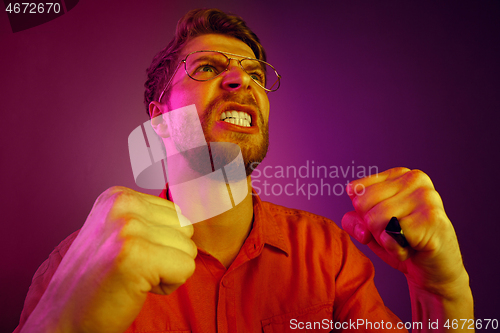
(253, 147)
(253, 157)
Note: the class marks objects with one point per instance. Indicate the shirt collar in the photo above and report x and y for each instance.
(265, 226)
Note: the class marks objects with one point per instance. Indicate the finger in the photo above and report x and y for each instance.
(424, 229)
(395, 257)
(180, 267)
(161, 235)
(172, 209)
(161, 268)
(419, 222)
(118, 191)
(172, 237)
(402, 205)
(358, 186)
(127, 202)
(176, 218)
(403, 185)
(354, 225)
(161, 215)
(378, 216)
(389, 251)
(151, 216)
(391, 246)
(165, 289)
(160, 201)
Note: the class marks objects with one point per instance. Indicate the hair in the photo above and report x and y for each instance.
(195, 23)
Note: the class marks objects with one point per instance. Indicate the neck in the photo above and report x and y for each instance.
(221, 222)
(223, 235)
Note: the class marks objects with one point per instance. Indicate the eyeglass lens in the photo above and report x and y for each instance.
(204, 66)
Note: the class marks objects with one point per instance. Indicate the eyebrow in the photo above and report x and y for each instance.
(202, 58)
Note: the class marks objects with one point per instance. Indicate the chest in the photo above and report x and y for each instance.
(265, 293)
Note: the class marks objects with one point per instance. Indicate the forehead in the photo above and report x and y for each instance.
(217, 43)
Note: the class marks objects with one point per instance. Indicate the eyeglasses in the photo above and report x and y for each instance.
(207, 65)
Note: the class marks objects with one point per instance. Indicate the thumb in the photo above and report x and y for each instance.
(354, 225)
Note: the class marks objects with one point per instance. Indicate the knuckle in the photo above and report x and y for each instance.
(433, 214)
(427, 196)
(401, 254)
(380, 210)
(401, 170)
(115, 194)
(359, 203)
(378, 216)
(122, 196)
(347, 222)
(189, 230)
(413, 178)
(123, 199)
(185, 269)
(114, 190)
(104, 196)
(421, 177)
(190, 267)
(419, 173)
(130, 225)
(369, 219)
(185, 243)
(195, 250)
(129, 251)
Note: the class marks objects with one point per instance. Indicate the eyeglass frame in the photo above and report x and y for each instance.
(228, 63)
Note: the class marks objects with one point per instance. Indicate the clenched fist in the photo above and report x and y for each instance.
(131, 244)
(432, 261)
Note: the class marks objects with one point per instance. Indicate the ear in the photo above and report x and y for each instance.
(156, 112)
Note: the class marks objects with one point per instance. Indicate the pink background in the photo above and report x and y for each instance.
(380, 83)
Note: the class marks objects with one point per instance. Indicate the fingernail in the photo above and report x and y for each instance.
(349, 189)
(359, 232)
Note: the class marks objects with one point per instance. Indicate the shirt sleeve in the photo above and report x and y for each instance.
(42, 278)
(357, 299)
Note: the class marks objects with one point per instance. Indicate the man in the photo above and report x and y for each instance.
(255, 267)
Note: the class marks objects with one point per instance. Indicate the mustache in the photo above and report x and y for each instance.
(243, 99)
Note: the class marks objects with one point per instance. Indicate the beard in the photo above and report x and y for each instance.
(253, 147)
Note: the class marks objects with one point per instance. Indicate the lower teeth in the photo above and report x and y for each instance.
(244, 124)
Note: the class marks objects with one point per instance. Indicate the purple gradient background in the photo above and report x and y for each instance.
(393, 83)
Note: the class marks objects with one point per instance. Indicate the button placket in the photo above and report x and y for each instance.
(226, 320)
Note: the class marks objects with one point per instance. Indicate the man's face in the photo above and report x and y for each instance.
(233, 90)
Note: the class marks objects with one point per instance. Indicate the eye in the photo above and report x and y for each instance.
(205, 71)
(258, 76)
(206, 68)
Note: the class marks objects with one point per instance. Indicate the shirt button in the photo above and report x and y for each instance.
(226, 283)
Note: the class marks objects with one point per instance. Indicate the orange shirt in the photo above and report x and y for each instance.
(296, 271)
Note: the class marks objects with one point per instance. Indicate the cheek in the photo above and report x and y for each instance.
(180, 99)
(265, 107)
(190, 92)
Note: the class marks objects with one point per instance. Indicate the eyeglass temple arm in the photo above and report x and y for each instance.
(171, 78)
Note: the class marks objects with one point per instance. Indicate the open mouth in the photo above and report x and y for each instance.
(239, 118)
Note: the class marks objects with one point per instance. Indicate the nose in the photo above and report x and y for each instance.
(235, 78)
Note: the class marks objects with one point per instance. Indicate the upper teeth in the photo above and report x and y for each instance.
(237, 118)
